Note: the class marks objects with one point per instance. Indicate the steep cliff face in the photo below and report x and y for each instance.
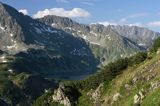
(48, 48)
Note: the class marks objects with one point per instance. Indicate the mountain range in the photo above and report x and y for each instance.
(53, 61)
(56, 45)
(106, 42)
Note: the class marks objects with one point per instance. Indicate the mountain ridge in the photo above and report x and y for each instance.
(96, 45)
(54, 45)
(96, 35)
(62, 49)
(123, 30)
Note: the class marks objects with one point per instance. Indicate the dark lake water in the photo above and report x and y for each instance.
(66, 77)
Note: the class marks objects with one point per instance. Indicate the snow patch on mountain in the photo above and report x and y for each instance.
(93, 33)
(53, 24)
(13, 46)
(11, 35)
(109, 38)
(95, 43)
(2, 28)
(141, 44)
(84, 36)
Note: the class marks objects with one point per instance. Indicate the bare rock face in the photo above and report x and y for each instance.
(134, 80)
(116, 97)
(151, 76)
(139, 97)
(155, 85)
(127, 86)
(60, 97)
(158, 51)
(95, 95)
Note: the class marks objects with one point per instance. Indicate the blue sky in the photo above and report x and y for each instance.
(131, 12)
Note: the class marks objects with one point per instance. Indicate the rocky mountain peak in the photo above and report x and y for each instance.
(56, 20)
(11, 21)
(27, 38)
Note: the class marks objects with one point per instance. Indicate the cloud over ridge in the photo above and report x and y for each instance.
(74, 13)
(24, 11)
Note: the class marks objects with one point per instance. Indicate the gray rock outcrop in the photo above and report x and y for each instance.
(60, 97)
(139, 97)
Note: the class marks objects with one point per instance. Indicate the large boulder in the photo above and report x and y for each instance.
(155, 85)
(127, 86)
(96, 94)
(116, 97)
(60, 97)
(139, 97)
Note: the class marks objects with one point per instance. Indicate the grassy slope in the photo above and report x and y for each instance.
(117, 85)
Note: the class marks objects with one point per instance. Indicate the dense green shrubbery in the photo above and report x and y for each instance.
(9, 91)
(156, 45)
(138, 58)
(44, 100)
(108, 72)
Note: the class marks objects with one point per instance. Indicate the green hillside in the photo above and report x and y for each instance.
(126, 82)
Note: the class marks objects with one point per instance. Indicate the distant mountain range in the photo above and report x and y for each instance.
(60, 46)
(106, 42)
(142, 36)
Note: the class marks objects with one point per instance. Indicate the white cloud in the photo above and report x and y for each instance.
(24, 11)
(154, 24)
(106, 23)
(74, 13)
(120, 22)
(125, 21)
